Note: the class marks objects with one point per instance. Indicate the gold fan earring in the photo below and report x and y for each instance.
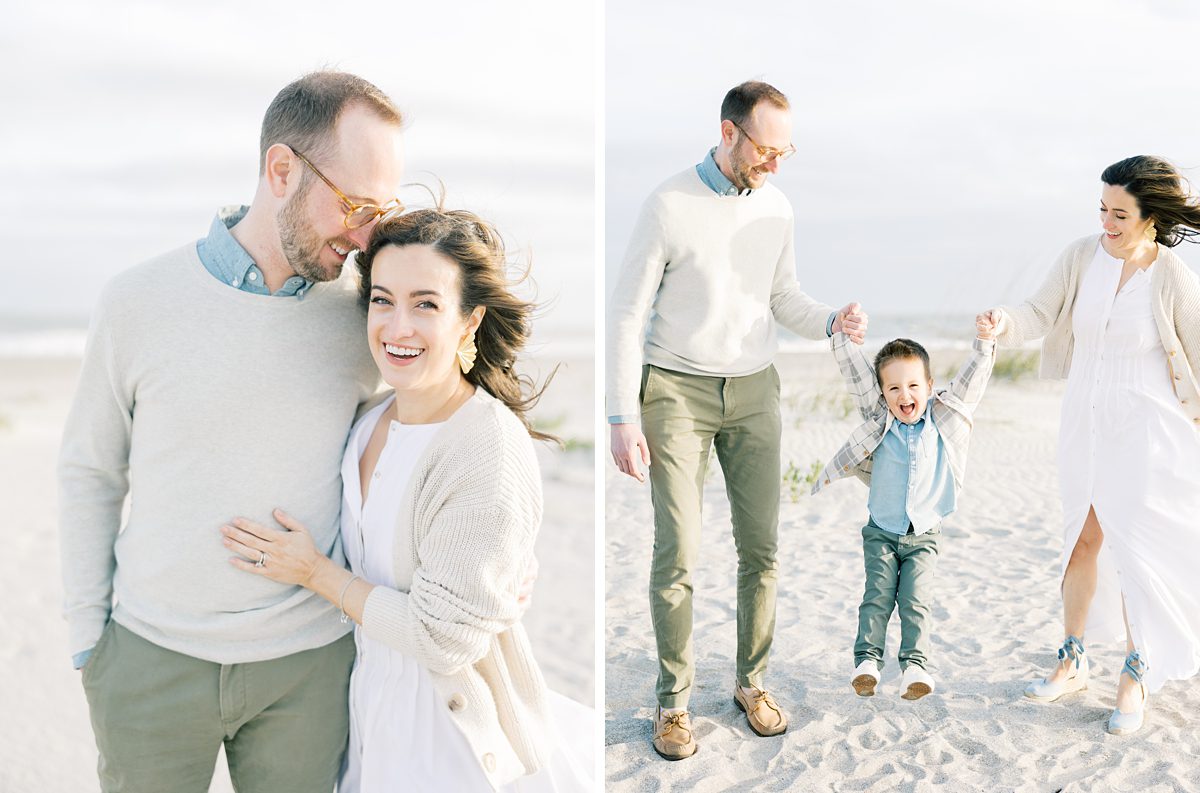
(467, 352)
(1151, 231)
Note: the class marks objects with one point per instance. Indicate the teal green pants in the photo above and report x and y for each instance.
(683, 417)
(900, 576)
(160, 717)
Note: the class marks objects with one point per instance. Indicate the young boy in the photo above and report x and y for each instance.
(911, 450)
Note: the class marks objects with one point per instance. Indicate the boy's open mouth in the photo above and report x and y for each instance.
(908, 410)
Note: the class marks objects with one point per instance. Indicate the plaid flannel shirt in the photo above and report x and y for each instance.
(952, 410)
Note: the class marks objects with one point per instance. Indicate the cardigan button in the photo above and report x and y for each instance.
(1171, 353)
(457, 702)
(489, 762)
(1178, 377)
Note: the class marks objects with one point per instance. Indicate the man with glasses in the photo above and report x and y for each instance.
(220, 380)
(708, 274)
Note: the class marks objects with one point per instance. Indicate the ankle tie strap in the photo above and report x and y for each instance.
(1072, 648)
(1135, 666)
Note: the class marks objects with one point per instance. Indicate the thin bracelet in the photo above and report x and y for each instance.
(342, 598)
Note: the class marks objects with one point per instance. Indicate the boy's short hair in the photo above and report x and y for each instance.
(900, 348)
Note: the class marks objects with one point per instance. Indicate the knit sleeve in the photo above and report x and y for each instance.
(472, 555)
(1186, 314)
(1033, 318)
(790, 305)
(629, 306)
(93, 479)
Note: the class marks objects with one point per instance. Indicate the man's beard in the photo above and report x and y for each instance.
(744, 177)
(301, 244)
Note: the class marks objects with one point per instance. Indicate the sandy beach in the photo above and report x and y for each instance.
(997, 624)
(46, 743)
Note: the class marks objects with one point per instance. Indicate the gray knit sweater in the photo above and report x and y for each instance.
(705, 280)
(204, 403)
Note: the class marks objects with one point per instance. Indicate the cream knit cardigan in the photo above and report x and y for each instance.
(473, 504)
(1176, 312)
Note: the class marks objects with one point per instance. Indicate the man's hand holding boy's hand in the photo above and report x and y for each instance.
(851, 320)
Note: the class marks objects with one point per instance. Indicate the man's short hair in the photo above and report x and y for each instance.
(900, 348)
(741, 100)
(304, 114)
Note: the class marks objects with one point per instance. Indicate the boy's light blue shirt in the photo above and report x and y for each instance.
(229, 263)
(911, 480)
(710, 173)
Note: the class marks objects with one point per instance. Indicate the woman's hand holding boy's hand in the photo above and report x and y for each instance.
(987, 325)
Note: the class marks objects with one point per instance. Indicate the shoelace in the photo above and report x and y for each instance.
(763, 698)
(673, 720)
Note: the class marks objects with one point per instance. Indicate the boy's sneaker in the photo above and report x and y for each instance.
(916, 682)
(866, 677)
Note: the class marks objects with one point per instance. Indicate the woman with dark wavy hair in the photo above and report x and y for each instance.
(441, 504)
(1120, 313)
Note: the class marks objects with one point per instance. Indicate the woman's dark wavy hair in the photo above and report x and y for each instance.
(1161, 193)
(477, 248)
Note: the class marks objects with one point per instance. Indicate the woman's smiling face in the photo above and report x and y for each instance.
(414, 320)
(1124, 226)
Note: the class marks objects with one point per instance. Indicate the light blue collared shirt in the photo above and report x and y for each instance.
(911, 480)
(229, 263)
(710, 173)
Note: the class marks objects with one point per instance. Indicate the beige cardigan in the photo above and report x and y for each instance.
(474, 504)
(1176, 312)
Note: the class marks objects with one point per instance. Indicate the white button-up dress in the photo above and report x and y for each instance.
(1128, 449)
(401, 733)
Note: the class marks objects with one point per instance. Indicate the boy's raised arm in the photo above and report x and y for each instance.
(972, 379)
(859, 376)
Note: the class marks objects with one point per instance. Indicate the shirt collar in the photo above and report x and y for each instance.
(710, 174)
(230, 262)
(901, 429)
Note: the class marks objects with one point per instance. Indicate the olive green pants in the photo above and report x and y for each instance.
(683, 417)
(900, 572)
(161, 717)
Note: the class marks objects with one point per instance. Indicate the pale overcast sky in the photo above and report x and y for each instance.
(947, 150)
(125, 125)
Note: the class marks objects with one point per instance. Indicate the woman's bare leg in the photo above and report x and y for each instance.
(1079, 585)
(1129, 695)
